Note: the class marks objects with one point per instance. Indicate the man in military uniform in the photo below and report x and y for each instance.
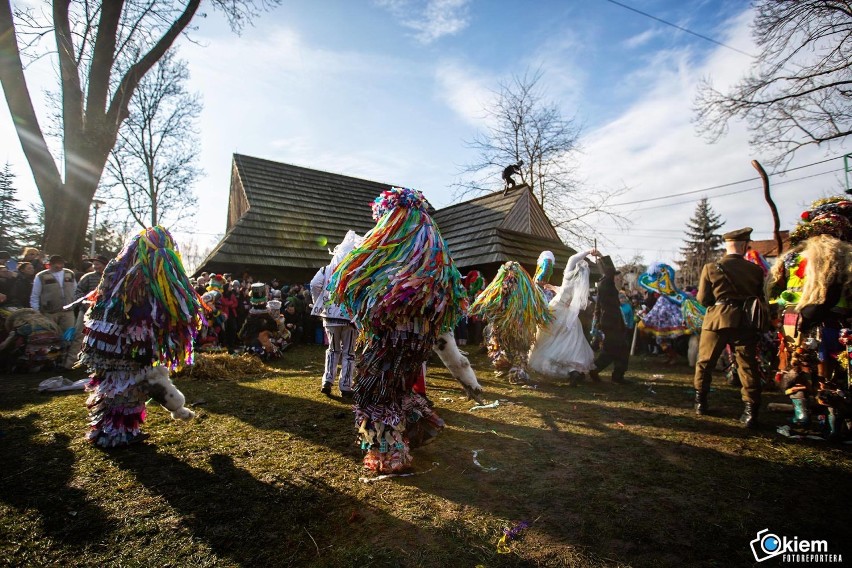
(723, 289)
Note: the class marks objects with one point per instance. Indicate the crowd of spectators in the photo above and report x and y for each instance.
(289, 304)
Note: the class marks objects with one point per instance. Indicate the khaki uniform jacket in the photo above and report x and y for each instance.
(722, 300)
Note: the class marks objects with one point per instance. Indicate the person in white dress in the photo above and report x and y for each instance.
(561, 349)
(336, 322)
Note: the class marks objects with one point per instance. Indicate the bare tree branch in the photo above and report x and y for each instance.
(522, 126)
(153, 163)
(798, 92)
(103, 50)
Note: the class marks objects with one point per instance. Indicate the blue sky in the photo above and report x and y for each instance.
(390, 90)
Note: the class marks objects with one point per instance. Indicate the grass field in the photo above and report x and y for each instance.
(268, 474)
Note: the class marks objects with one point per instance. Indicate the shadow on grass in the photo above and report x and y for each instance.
(279, 522)
(17, 391)
(36, 475)
(634, 498)
(593, 482)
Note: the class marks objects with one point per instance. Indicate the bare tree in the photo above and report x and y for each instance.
(523, 126)
(103, 50)
(194, 252)
(152, 168)
(799, 89)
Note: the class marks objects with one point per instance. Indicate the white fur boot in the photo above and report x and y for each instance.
(160, 387)
(458, 365)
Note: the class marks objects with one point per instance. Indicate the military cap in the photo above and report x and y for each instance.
(743, 234)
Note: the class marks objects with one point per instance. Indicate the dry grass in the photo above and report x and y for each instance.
(268, 475)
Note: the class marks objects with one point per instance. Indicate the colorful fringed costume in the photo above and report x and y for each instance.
(142, 323)
(813, 285)
(561, 350)
(403, 290)
(514, 307)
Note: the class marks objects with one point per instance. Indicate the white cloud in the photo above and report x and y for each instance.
(652, 147)
(466, 91)
(430, 19)
(643, 38)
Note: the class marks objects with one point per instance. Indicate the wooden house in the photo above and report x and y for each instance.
(284, 219)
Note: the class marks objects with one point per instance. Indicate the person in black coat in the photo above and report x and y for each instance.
(614, 347)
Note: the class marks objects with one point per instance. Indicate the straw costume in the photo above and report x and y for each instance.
(813, 285)
(514, 308)
(403, 290)
(142, 323)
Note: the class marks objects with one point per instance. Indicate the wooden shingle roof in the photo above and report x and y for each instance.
(282, 219)
(498, 227)
(284, 216)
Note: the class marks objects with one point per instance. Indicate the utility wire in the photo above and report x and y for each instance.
(738, 191)
(712, 187)
(696, 34)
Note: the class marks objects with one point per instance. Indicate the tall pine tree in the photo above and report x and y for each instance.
(703, 242)
(14, 222)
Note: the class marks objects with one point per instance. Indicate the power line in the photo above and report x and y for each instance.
(738, 191)
(696, 34)
(729, 184)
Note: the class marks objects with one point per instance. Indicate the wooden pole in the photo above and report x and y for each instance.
(777, 222)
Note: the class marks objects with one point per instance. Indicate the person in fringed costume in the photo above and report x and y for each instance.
(141, 325)
(403, 290)
(675, 313)
(281, 338)
(212, 334)
(513, 307)
(812, 284)
(561, 349)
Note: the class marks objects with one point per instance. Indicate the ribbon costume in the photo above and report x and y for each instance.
(142, 323)
(514, 307)
(675, 313)
(403, 290)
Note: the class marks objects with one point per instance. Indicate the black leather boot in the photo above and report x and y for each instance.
(574, 378)
(701, 406)
(749, 417)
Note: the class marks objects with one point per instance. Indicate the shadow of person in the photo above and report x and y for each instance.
(276, 522)
(631, 494)
(20, 390)
(37, 476)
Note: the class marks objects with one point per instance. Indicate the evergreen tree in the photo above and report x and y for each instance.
(703, 242)
(14, 223)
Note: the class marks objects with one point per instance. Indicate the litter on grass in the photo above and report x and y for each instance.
(494, 404)
(479, 465)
